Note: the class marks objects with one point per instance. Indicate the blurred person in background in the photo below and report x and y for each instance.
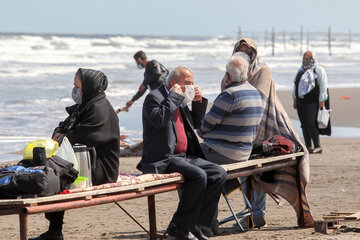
(310, 94)
(155, 74)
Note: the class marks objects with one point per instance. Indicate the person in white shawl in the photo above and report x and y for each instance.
(310, 94)
(290, 182)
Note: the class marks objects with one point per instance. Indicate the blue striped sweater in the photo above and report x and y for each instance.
(231, 125)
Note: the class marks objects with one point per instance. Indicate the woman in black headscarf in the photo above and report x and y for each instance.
(92, 122)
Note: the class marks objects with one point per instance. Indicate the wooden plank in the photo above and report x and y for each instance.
(354, 216)
(262, 161)
(342, 213)
(269, 167)
(333, 218)
(62, 197)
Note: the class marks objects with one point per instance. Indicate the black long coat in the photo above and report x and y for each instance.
(95, 124)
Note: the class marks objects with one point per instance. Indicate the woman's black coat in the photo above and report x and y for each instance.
(95, 124)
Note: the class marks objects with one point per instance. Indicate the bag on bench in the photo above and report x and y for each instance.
(63, 169)
(18, 181)
(278, 145)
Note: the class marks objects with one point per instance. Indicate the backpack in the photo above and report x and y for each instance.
(20, 182)
(63, 169)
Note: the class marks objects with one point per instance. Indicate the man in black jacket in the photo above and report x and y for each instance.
(92, 122)
(155, 74)
(171, 145)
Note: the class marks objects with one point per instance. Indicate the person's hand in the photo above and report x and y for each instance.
(294, 104)
(129, 104)
(122, 144)
(321, 104)
(58, 136)
(198, 94)
(199, 133)
(123, 109)
(122, 137)
(177, 89)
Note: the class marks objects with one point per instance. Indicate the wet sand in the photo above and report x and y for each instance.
(345, 112)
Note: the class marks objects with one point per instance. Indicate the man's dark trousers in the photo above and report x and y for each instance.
(203, 182)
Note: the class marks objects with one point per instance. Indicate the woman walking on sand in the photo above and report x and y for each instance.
(310, 94)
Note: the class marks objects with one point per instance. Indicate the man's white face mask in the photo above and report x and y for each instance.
(139, 66)
(189, 93)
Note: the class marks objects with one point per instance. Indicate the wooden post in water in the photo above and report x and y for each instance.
(273, 41)
(265, 38)
(307, 39)
(284, 38)
(329, 40)
(301, 40)
(239, 33)
(350, 38)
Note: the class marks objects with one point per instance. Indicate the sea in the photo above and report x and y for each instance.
(37, 72)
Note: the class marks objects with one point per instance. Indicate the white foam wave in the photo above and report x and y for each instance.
(32, 56)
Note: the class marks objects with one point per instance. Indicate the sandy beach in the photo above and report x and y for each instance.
(333, 187)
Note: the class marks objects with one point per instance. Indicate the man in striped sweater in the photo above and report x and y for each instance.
(231, 125)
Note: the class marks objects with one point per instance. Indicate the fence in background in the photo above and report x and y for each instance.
(282, 36)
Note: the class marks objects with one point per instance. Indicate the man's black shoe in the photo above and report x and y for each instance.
(215, 228)
(207, 231)
(48, 236)
(199, 234)
(178, 233)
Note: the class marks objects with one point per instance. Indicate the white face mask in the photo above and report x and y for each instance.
(139, 66)
(189, 93)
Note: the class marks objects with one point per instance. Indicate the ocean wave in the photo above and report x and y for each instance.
(41, 55)
(37, 71)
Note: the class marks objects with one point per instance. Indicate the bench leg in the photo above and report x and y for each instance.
(152, 216)
(249, 189)
(23, 226)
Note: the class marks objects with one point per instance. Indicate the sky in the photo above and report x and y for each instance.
(185, 17)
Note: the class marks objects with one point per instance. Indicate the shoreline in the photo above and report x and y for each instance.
(345, 112)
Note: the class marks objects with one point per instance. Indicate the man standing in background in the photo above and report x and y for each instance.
(154, 75)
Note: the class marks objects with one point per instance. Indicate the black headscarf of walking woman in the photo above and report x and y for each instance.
(89, 87)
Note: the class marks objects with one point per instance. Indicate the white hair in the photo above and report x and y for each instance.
(237, 67)
(175, 73)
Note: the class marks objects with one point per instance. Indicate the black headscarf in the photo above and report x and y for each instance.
(93, 83)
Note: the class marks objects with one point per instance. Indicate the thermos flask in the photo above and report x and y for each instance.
(86, 157)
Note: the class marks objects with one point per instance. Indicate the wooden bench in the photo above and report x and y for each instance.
(29, 206)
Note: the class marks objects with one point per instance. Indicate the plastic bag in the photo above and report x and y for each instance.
(50, 146)
(67, 152)
(323, 117)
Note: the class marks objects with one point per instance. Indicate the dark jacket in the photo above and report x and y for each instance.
(310, 97)
(95, 124)
(313, 97)
(155, 74)
(159, 130)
